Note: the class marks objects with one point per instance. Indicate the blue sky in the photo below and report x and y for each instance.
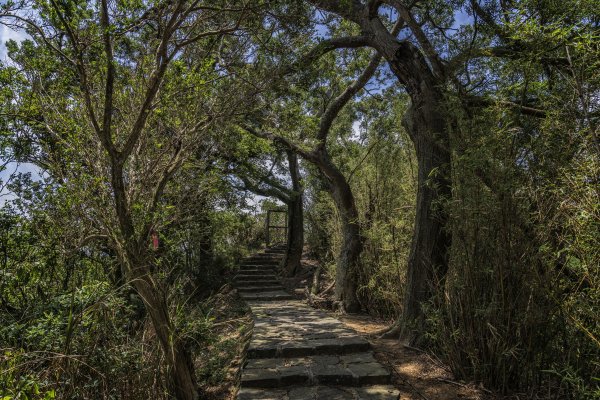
(8, 34)
(5, 35)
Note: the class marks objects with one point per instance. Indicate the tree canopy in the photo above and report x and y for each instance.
(439, 163)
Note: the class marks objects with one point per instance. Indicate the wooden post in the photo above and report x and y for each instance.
(268, 228)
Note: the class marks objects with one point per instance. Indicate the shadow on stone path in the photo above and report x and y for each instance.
(299, 353)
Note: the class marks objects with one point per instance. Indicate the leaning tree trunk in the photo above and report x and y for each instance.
(346, 273)
(182, 383)
(295, 239)
(181, 380)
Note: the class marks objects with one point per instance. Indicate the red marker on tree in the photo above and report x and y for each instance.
(154, 236)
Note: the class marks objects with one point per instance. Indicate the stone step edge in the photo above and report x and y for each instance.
(371, 374)
(262, 274)
(263, 257)
(379, 392)
(267, 296)
(338, 346)
(263, 271)
(262, 284)
(253, 289)
(357, 369)
(248, 297)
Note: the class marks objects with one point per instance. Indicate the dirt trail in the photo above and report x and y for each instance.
(415, 373)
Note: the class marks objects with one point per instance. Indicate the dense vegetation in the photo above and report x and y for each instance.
(440, 160)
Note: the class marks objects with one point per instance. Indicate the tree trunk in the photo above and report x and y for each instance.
(427, 126)
(346, 273)
(205, 245)
(295, 237)
(423, 80)
(180, 367)
(428, 260)
(182, 383)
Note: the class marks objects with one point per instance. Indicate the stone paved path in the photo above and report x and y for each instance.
(299, 353)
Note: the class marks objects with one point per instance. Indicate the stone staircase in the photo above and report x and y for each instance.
(257, 276)
(299, 353)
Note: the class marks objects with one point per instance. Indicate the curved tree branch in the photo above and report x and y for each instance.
(339, 102)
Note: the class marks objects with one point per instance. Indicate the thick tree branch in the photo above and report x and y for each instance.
(489, 20)
(267, 177)
(110, 78)
(339, 102)
(426, 45)
(324, 47)
(162, 61)
(267, 192)
(351, 10)
(514, 52)
(286, 143)
(80, 67)
(525, 110)
(215, 32)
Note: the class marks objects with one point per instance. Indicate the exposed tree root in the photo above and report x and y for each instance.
(391, 332)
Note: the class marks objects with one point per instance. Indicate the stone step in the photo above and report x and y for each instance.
(257, 282)
(274, 348)
(347, 370)
(267, 296)
(259, 288)
(242, 276)
(321, 392)
(264, 255)
(260, 262)
(266, 268)
(257, 272)
(250, 266)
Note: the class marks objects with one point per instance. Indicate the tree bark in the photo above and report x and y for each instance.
(427, 126)
(428, 260)
(346, 273)
(181, 380)
(295, 237)
(205, 244)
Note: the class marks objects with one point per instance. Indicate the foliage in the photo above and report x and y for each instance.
(136, 129)
(378, 160)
